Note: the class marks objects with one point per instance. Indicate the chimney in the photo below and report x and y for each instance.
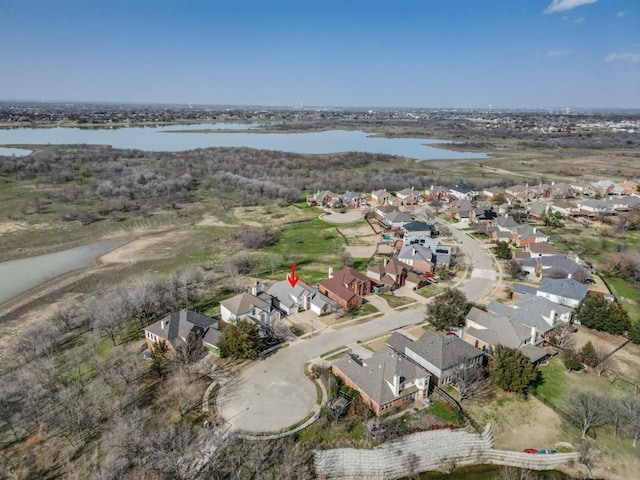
(569, 276)
(414, 251)
(255, 288)
(431, 187)
(396, 385)
(385, 261)
(552, 317)
(163, 322)
(330, 272)
(533, 335)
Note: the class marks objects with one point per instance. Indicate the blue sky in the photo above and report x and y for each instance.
(405, 53)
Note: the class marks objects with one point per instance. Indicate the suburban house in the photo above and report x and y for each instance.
(385, 380)
(564, 291)
(537, 209)
(179, 327)
(519, 192)
(257, 306)
(380, 211)
(492, 193)
(459, 209)
(565, 208)
(541, 249)
(408, 196)
(395, 220)
(381, 197)
(553, 266)
(525, 234)
(388, 276)
(591, 207)
(419, 257)
(352, 200)
(534, 312)
(436, 193)
(417, 232)
(561, 190)
(346, 286)
(325, 198)
(486, 330)
(290, 300)
(463, 192)
(482, 215)
(439, 355)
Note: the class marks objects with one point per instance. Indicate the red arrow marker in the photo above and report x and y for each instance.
(292, 276)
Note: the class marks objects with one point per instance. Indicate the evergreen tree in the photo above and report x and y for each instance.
(600, 314)
(502, 250)
(634, 332)
(448, 309)
(571, 360)
(589, 353)
(241, 340)
(511, 369)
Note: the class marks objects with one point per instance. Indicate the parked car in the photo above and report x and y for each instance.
(451, 334)
(544, 452)
(530, 450)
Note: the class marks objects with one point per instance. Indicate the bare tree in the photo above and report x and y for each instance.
(514, 473)
(472, 383)
(631, 407)
(107, 315)
(563, 334)
(616, 413)
(587, 454)
(346, 260)
(605, 361)
(586, 410)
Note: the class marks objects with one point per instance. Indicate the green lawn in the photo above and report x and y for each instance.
(627, 295)
(396, 302)
(366, 309)
(429, 291)
(554, 383)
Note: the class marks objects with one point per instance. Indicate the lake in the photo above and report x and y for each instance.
(171, 139)
(18, 276)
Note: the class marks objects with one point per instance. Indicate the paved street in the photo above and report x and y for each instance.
(273, 394)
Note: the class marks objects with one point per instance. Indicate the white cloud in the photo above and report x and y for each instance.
(624, 13)
(558, 53)
(579, 20)
(623, 57)
(564, 5)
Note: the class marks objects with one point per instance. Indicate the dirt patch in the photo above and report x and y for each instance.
(152, 247)
(359, 251)
(377, 343)
(212, 221)
(601, 340)
(10, 227)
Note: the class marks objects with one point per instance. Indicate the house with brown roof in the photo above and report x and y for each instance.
(541, 249)
(390, 275)
(346, 286)
(381, 197)
(436, 193)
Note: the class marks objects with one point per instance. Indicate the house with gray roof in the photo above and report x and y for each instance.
(440, 355)
(289, 300)
(178, 328)
(417, 232)
(385, 380)
(258, 307)
(565, 291)
(535, 312)
(486, 330)
(520, 289)
(380, 196)
(396, 220)
(553, 266)
(419, 257)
